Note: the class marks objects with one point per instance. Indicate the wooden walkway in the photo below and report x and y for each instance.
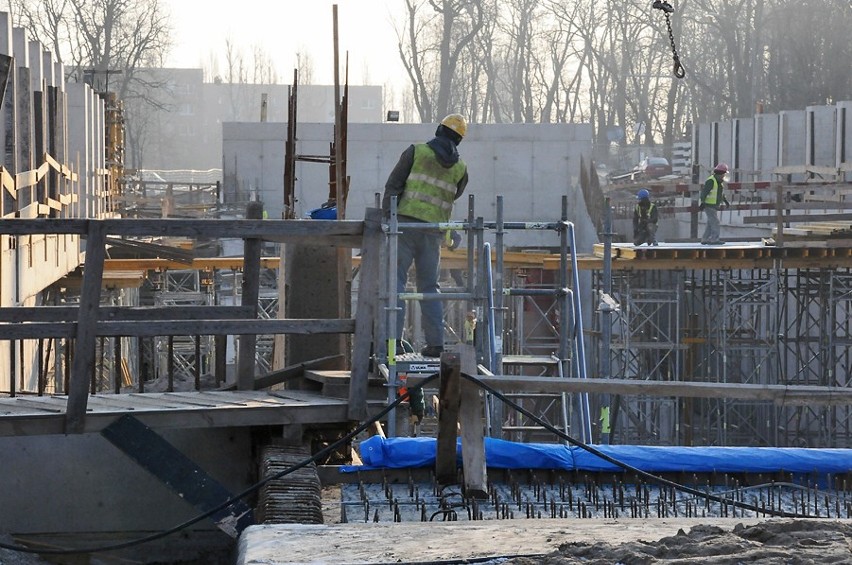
(29, 415)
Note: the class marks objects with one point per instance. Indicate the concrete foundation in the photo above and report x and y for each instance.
(82, 483)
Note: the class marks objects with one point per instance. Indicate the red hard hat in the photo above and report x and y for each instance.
(720, 168)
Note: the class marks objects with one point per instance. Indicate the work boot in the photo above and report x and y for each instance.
(432, 351)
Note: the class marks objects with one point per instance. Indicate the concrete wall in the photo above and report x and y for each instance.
(531, 165)
(742, 149)
(83, 483)
(843, 141)
(792, 141)
(723, 144)
(702, 155)
(818, 136)
(72, 132)
(184, 131)
(820, 127)
(765, 146)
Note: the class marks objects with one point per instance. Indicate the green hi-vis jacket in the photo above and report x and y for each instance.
(430, 189)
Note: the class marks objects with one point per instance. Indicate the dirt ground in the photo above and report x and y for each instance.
(552, 542)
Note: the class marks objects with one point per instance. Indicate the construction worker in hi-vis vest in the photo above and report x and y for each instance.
(428, 178)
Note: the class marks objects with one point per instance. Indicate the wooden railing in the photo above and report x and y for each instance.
(85, 323)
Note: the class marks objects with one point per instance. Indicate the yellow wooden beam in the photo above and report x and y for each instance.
(204, 263)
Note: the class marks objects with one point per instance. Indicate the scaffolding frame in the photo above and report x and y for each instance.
(762, 326)
(484, 294)
(185, 355)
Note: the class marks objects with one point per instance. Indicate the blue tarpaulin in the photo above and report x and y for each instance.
(400, 453)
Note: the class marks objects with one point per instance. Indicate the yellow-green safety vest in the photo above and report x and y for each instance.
(713, 196)
(430, 189)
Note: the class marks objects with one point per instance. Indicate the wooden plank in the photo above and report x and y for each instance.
(798, 218)
(449, 396)
(176, 471)
(791, 395)
(472, 429)
(203, 263)
(150, 328)
(293, 371)
(26, 179)
(121, 313)
(366, 313)
(273, 230)
(8, 182)
(85, 342)
(153, 409)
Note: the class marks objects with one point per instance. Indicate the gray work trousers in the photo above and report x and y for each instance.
(711, 231)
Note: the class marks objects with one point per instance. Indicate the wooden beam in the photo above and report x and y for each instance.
(84, 352)
(799, 218)
(472, 430)
(782, 395)
(203, 263)
(149, 328)
(367, 311)
(121, 313)
(246, 361)
(273, 230)
(448, 417)
(288, 373)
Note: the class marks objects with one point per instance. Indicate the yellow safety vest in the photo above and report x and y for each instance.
(713, 196)
(430, 189)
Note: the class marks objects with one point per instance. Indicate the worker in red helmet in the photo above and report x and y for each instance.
(645, 217)
(710, 199)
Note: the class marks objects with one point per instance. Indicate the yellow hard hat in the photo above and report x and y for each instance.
(455, 122)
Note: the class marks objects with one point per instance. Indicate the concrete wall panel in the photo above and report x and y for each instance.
(531, 166)
(92, 467)
(723, 144)
(792, 141)
(765, 145)
(843, 144)
(821, 136)
(702, 154)
(742, 151)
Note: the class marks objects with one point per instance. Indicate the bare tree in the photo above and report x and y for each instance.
(305, 65)
(433, 40)
(100, 38)
(806, 53)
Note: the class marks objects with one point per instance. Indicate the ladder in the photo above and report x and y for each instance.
(550, 407)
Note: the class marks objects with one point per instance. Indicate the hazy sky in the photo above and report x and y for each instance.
(282, 28)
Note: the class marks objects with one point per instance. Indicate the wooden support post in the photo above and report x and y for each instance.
(221, 362)
(197, 367)
(449, 396)
(84, 357)
(472, 428)
(13, 367)
(367, 312)
(116, 363)
(142, 372)
(779, 215)
(250, 295)
(69, 362)
(170, 365)
(41, 369)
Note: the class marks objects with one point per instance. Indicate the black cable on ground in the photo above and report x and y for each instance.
(626, 466)
(159, 535)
